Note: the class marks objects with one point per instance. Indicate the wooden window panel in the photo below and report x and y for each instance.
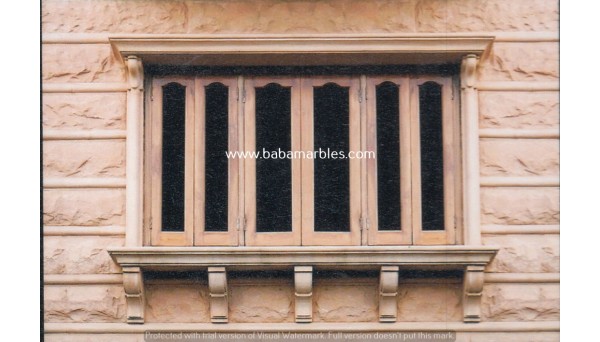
(203, 236)
(158, 236)
(309, 235)
(279, 238)
(376, 236)
(447, 234)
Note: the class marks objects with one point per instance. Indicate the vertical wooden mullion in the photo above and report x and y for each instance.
(156, 164)
(250, 163)
(415, 157)
(448, 160)
(307, 144)
(200, 175)
(406, 180)
(189, 164)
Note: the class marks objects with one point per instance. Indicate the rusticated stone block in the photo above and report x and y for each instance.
(317, 16)
(519, 157)
(260, 302)
(80, 254)
(520, 302)
(537, 336)
(519, 206)
(89, 303)
(488, 15)
(84, 111)
(84, 207)
(518, 109)
(346, 301)
(93, 158)
(430, 302)
(182, 303)
(153, 16)
(524, 253)
(81, 63)
(520, 62)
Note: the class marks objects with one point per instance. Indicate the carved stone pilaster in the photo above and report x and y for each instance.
(473, 288)
(133, 284)
(303, 291)
(217, 286)
(134, 145)
(388, 293)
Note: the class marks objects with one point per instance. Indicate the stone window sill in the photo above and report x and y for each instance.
(218, 260)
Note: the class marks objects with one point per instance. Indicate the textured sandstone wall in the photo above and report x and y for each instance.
(73, 252)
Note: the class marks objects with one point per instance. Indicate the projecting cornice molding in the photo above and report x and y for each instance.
(300, 49)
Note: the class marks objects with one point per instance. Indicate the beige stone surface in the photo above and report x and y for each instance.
(80, 254)
(94, 337)
(256, 301)
(152, 16)
(538, 336)
(524, 253)
(345, 301)
(516, 206)
(486, 15)
(84, 111)
(518, 109)
(88, 303)
(183, 303)
(298, 16)
(430, 302)
(81, 63)
(92, 158)
(519, 157)
(520, 302)
(84, 207)
(520, 62)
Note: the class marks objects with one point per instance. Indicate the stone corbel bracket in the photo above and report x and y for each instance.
(388, 293)
(133, 284)
(217, 285)
(303, 276)
(472, 290)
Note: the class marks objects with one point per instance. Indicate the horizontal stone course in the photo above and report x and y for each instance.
(183, 303)
(265, 16)
(94, 158)
(347, 301)
(430, 302)
(84, 207)
(80, 254)
(520, 206)
(520, 302)
(531, 110)
(81, 63)
(524, 253)
(520, 62)
(519, 157)
(258, 302)
(83, 111)
(79, 304)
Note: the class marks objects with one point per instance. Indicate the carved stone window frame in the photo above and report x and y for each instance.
(470, 257)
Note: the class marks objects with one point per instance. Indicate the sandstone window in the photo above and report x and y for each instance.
(403, 194)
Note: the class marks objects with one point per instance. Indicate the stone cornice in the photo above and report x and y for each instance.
(185, 49)
(453, 257)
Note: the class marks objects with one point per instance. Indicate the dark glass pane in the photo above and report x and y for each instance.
(388, 156)
(216, 164)
(173, 158)
(273, 174)
(432, 161)
(332, 176)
